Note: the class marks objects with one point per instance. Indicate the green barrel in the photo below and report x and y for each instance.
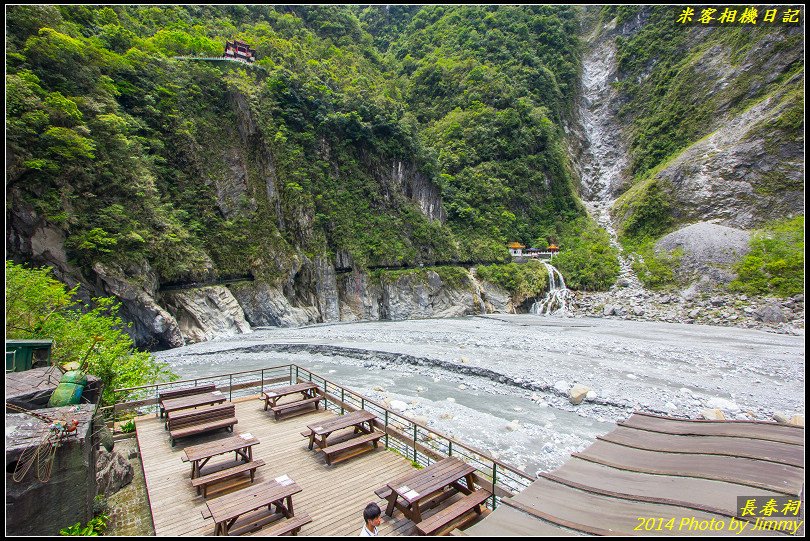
(65, 394)
(69, 390)
(74, 376)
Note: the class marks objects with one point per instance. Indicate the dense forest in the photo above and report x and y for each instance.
(129, 150)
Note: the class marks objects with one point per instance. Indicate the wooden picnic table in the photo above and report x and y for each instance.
(272, 396)
(226, 509)
(199, 455)
(415, 488)
(185, 391)
(192, 401)
(357, 419)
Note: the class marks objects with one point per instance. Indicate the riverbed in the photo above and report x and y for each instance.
(501, 382)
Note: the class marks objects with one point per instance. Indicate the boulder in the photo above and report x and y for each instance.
(797, 420)
(722, 403)
(398, 405)
(781, 418)
(713, 414)
(577, 393)
(419, 419)
(113, 472)
(771, 313)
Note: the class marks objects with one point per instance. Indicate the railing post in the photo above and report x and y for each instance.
(449, 447)
(262, 389)
(362, 402)
(414, 444)
(386, 429)
(343, 400)
(325, 399)
(230, 387)
(494, 479)
(296, 375)
(157, 401)
(291, 380)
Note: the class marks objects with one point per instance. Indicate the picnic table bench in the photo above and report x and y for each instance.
(186, 391)
(199, 455)
(189, 423)
(191, 401)
(310, 392)
(318, 433)
(419, 488)
(249, 504)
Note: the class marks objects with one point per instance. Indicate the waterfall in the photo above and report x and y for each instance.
(554, 303)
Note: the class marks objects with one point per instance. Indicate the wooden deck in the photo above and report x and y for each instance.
(653, 466)
(334, 496)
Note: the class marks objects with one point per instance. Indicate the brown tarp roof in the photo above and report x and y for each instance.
(651, 466)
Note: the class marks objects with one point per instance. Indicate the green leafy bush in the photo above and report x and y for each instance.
(95, 526)
(129, 426)
(656, 270)
(775, 264)
(586, 259)
(38, 306)
(522, 280)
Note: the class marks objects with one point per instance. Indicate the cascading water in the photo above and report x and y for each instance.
(555, 301)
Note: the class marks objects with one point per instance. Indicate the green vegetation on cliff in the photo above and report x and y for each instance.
(669, 77)
(524, 280)
(396, 135)
(680, 85)
(775, 264)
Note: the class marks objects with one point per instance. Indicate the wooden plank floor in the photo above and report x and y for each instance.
(333, 496)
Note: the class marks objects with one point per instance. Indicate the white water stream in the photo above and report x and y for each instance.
(555, 301)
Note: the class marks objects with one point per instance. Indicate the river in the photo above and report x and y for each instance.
(500, 382)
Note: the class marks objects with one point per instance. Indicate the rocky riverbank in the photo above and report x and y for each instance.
(785, 316)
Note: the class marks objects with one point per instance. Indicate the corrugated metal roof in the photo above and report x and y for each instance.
(658, 467)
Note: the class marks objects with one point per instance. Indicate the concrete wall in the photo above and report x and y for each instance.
(37, 508)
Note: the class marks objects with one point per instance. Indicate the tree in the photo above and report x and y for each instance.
(38, 306)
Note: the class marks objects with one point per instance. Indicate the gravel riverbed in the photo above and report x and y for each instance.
(501, 382)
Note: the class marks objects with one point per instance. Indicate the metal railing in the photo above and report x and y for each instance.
(416, 442)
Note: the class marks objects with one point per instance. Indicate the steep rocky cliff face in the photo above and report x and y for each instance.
(693, 134)
(743, 174)
(206, 313)
(723, 137)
